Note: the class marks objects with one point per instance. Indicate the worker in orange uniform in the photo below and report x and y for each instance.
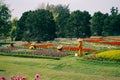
(80, 47)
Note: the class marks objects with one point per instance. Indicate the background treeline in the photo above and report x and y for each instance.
(56, 21)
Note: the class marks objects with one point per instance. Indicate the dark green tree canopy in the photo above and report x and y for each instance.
(4, 19)
(97, 23)
(37, 25)
(79, 24)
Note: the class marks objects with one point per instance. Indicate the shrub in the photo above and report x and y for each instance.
(109, 55)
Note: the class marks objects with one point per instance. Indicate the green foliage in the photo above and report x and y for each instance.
(79, 24)
(61, 16)
(57, 21)
(21, 28)
(114, 11)
(13, 33)
(4, 19)
(36, 25)
(97, 23)
(106, 25)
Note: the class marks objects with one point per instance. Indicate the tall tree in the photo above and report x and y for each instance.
(4, 19)
(75, 20)
(79, 24)
(21, 26)
(112, 23)
(97, 23)
(38, 25)
(85, 23)
(61, 15)
(114, 11)
(14, 25)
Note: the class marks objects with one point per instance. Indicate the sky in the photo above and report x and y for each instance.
(20, 6)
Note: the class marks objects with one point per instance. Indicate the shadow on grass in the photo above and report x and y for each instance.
(2, 70)
(31, 56)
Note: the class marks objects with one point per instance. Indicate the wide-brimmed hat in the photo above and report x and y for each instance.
(80, 40)
(33, 44)
(60, 46)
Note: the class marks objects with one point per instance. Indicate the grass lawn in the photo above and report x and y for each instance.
(67, 68)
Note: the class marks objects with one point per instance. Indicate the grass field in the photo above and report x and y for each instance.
(68, 68)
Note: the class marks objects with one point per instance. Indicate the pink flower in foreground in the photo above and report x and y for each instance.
(24, 78)
(11, 78)
(37, 76)
(3, 78)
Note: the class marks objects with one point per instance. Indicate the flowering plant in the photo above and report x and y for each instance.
(37, 77)
(110, 55)
(20, 77)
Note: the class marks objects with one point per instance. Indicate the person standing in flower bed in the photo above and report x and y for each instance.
(80, 47)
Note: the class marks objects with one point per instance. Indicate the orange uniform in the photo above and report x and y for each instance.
(80, 48)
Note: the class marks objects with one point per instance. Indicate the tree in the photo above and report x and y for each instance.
(115, 21)
(111, 23)
(85, 23)
(114, 11)
(61, 22)
(97, 23)
(14, 25)
(37, 25)
(4, 20)
(79, 24)
(21, 26)
(61, 15)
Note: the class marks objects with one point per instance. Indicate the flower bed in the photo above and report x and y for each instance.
(40, 45)
(26, 44)
(110, 55)
(101, 40)
(72, 48)
(31, 53)
(115, 38)
(112, 43)
(50, 53)
(93, 39)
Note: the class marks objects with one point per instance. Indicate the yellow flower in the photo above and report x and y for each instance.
(111, 55)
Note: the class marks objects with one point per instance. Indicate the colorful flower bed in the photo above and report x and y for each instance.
(112, 43)
(26, 52)
(45, 45)
(115, 38)
(110, 55)
(38, 45)
(26, 44)
(72, 48)
(93, 39)
(49, 53)
(101, 40)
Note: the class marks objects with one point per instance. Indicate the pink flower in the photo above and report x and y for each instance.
(11, 78)
(37, 76)
(24, 78)
(3, 78)
(18, 78)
